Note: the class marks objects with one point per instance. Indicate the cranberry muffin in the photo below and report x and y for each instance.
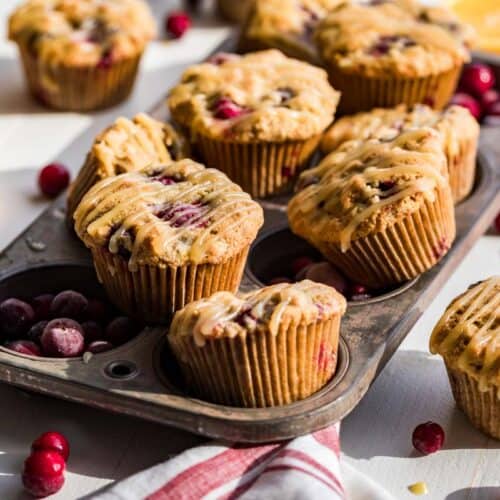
(380, 56)
(166, 236)
(126, 146)
(468, 338)
(380, 210)
(81, 54)
(458, 128)
(258, 117)
(269, 347)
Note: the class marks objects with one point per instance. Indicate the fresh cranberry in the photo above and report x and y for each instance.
(497, 223)
(97, 310)
(53, 179)
(428, 438)
(35, 332)
(225, 109)
(106, 61)
(43, 473)
(221, 58)
(41, 305)
(62, 338)
(177, 24)
(52, 441)
(300, 262)
(324, 272)
(166, 180)
(494, 109)
(24, 347)
(16, 317)
(99, 346)
(279, 279)
(120, 330)
(180, 214)
(69, 304)
(488, 100)
(468, 102)
(357, 292)
(477, 79)
(92, 331)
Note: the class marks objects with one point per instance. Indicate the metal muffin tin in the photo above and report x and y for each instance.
(141, 378)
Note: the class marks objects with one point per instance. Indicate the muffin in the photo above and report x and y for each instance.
(378, 56)
(258, 117)
(126, 146)
(167, 236)
(81, 55)
(269, 347)
(380, 210)
(458, 128)
(468, 338)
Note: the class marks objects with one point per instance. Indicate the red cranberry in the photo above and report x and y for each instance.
(41, 305)
(97, 310)
(279, 279)
(99, 346)
(120, 330)
(69, 304)
(468, 102)
(53, 179)
(300, 262)
(24, 347)
(16, 317)
(358, 292)
(494, 109)
(489, 99)
(428, 438)
(106, 61)
(92, 331)
(221, 58)
(477, 78)
(166, 180)
(497, 223)
(43, 473)
(52, 441)
(177, 24)
(62, 338)
(324, 272)
(179, 214)
(225, 109)
(35, 332)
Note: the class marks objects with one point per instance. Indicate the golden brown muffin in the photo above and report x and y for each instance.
(458, 128)
(257, 117)
(269, 347)
(164, 237)
(468, 338)
(379, 210)
(81, 54)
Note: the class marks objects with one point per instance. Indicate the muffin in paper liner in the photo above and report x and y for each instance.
(467, 336)
(379, 210)
(257, 117)
(81, 56)
(126, 146)
(167, 235)
(458, 128)
(269, 347)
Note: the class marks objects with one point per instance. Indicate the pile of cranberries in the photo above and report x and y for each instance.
(43, 473)
(62, 326)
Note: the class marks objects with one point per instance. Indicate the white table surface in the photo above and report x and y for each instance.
(376, 436)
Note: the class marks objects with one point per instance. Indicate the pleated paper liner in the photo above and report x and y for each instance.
(261, 168)
(360, 93)
(79, 88)
(482, 408)
(260, 369)
(153, 293)
(462, 168)
(402, 251)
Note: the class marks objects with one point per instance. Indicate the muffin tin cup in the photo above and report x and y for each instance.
(73, 88)
(260, 369)
(153, 293)
(261, 169)
(462, 168)
(481, 407)
(361, 93)
(402, 251)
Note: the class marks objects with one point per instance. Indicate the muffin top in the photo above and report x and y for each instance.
(383, 40)
(262, 96)
(367, 186)
(170, 215)
(468, 333)
(386, 123)
(271, 308)
(82, 32)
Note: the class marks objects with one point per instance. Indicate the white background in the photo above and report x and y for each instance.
(376, 437)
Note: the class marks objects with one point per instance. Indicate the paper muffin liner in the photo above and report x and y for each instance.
(153, 293)
(482, 408)
(260, 369)
(360, 93)
(79, 88)
(260, 168)
(402, 251)
(462, 168)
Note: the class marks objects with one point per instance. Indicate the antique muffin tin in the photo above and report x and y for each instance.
(141, 378)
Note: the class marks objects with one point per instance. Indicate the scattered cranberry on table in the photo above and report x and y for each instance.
(24, 347)
(177, 23)
(52, 441)
(477, 78)
(43, 473)
(428, 437)
(53, 179)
